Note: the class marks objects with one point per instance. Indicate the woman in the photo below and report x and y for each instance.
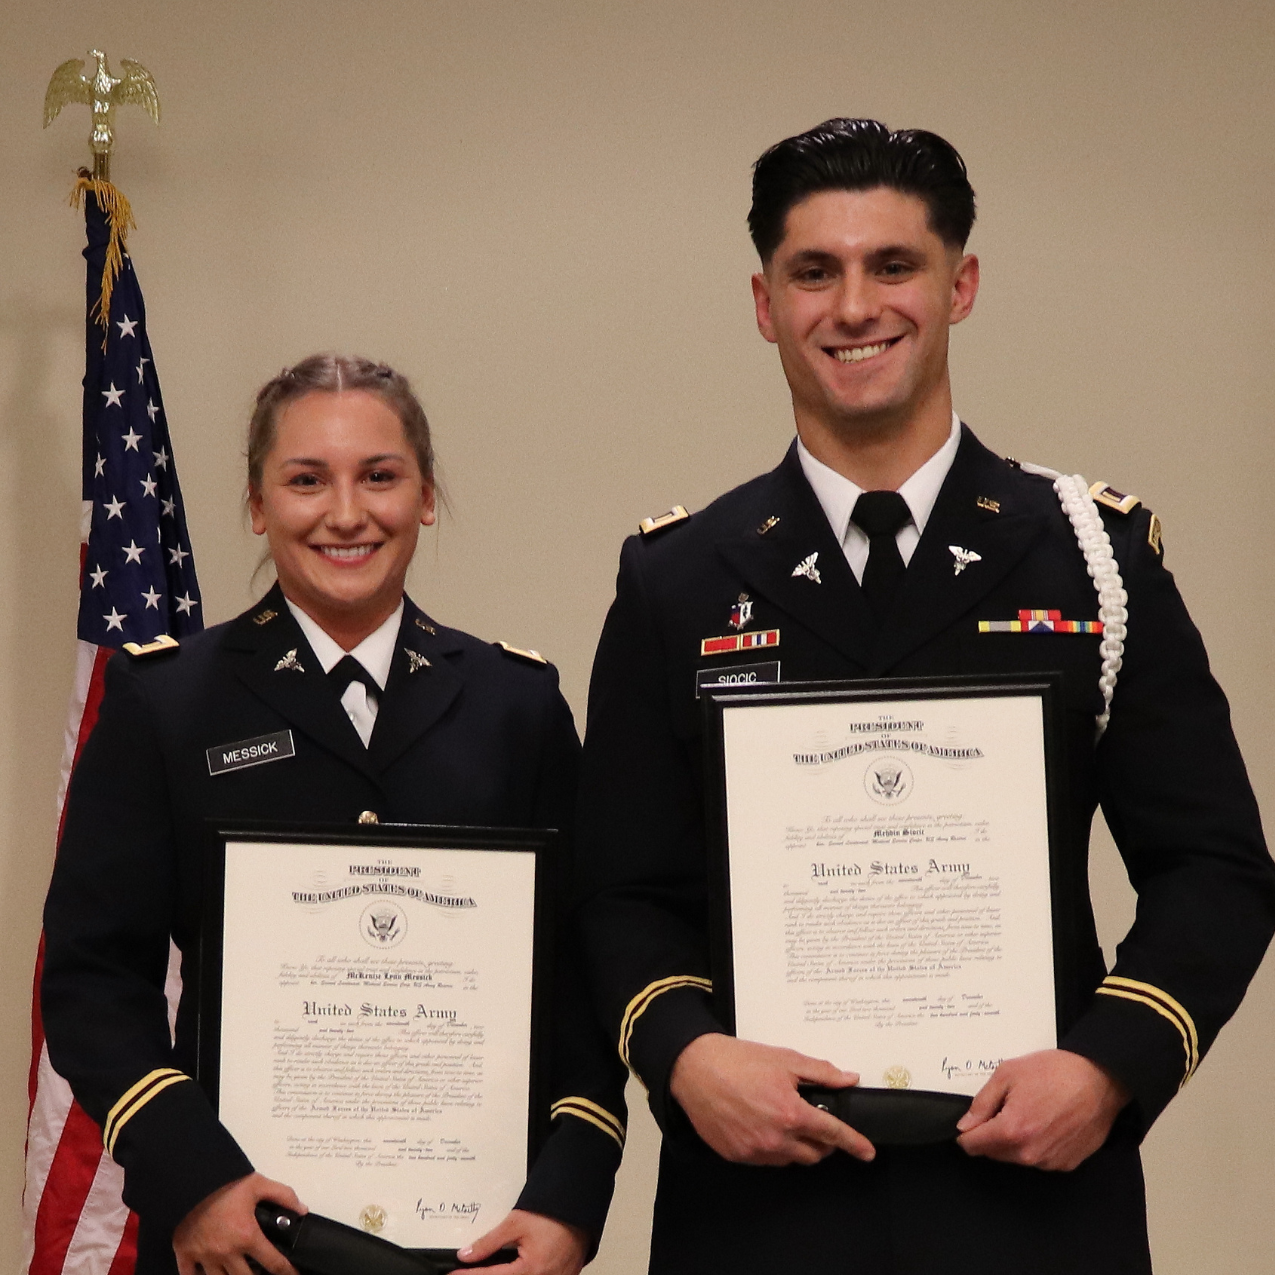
(430, 726)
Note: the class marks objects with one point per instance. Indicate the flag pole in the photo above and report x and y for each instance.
(137, 584)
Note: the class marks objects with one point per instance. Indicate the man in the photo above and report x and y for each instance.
(861, 234)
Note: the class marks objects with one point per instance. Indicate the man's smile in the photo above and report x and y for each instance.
(858, 353)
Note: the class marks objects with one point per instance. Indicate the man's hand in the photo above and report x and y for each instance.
(742, 1099)
(220, 1233)
(545, 1246)
(1050, 1110)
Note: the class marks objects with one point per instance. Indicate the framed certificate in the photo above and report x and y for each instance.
(882, 883)
(369, 1026)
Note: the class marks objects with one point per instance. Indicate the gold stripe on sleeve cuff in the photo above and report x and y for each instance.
(638, 1005)
(583, 1109)
(134, 1100)
(1163, 1004)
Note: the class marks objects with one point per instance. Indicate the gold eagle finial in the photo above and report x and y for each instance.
(102, 93)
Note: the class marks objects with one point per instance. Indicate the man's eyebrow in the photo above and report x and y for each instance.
(811, 257)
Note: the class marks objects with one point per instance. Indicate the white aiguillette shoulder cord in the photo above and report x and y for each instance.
(1104, 570)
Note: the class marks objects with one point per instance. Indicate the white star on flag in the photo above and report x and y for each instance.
(131, 439)
(148, 486)
(177, 556)
(151, 410)
(113, 396)
(161, 458)
(168, 508)
(115, 620)
(99, 468)
(141, 365)
(132, 553)
(185, 603)
(126, 328)
(99, 577)
(152, 598)
(114, 508)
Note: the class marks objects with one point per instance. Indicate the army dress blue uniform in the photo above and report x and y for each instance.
(1167, 774)
(466, 733)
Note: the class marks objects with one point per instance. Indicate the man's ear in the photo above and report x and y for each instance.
(964, 288)
(761, 302)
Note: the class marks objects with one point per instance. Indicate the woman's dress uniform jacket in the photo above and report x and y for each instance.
(466, 733)
(1167, 774)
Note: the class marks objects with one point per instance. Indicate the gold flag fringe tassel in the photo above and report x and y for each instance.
(119, 216)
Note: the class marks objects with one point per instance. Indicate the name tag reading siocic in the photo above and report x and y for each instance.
(250, 752)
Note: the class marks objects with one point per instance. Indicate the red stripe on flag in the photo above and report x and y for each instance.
(88, 719)
(126, 1254)
(65, 1190)
(93, 702)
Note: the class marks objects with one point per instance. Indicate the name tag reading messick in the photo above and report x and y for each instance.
(250, 752)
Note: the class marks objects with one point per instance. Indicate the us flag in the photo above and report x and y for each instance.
(137, 583)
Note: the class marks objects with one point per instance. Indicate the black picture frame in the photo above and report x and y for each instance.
(714, 703)
(543, 844)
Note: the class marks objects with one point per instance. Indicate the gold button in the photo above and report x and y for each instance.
(368, 816)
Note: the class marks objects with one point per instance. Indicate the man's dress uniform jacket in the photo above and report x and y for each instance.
(475, 736)
(1167, 774)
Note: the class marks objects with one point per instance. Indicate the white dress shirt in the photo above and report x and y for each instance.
(837, 494)
(375, 653)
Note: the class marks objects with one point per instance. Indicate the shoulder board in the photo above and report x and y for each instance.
(157, 647)
(1114, 499)
(675, 515)
(534, 656)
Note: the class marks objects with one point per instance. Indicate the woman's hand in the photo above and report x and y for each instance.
(545, 1246)
(221, 1232)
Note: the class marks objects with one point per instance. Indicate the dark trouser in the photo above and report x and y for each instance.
(913, 1211)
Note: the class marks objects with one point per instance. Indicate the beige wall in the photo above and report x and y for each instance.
(537, 210)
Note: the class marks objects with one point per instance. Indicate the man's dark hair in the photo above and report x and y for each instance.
(844, 154)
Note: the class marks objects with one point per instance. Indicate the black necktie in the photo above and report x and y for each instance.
(346, 670)
(880, 514)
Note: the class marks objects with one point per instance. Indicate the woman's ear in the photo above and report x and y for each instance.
(255, 512)
(429, 514)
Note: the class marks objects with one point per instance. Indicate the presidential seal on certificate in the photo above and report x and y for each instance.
(368, 1018)
(881, 887)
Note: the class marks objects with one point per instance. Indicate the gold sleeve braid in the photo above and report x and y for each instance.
(641, 1002)
(584, 1109)
(134, 1099)
(1163, 1004)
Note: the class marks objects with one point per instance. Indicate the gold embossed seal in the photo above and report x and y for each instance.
(373, 1219)
(897, 1077)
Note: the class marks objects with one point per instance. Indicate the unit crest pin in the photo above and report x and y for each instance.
(963, 558)
(806, 567)
(741, 613)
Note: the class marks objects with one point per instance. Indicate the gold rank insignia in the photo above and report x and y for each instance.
(157, 647)
(1154, 533)
(675, 515)
(534, 656)
(1113, 499)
